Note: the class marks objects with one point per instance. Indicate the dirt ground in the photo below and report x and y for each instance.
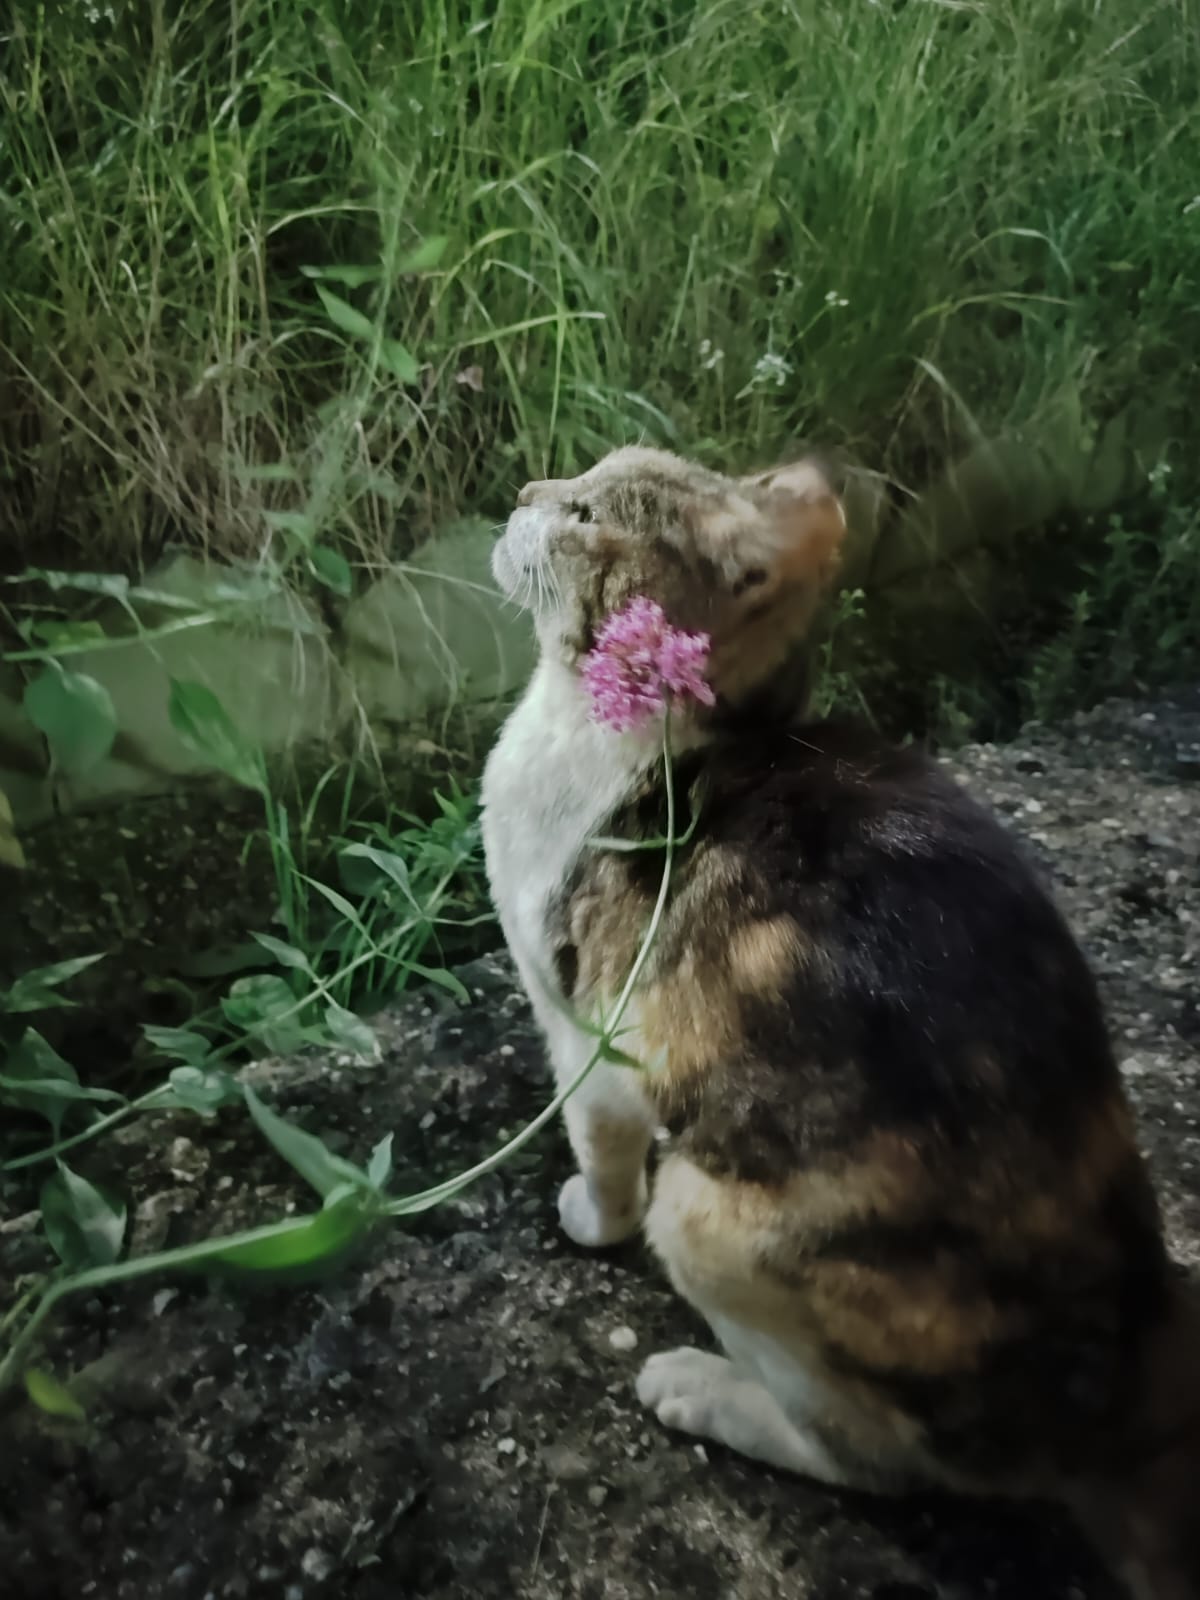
(452, 1414)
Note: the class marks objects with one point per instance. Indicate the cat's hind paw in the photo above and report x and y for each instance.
(709, 1397)
(681, 1388)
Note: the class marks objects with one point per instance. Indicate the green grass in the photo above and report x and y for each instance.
(890, 227)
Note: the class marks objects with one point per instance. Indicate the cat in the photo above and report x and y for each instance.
(901, 1181)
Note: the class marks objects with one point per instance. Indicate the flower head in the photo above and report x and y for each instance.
(639, 662)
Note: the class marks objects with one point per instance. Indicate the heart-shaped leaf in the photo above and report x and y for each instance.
(194, 1089)
(36, 1078)
(76, 715)
(182, 1044)
(264, 1007)
(85, 1224)
(331, 568)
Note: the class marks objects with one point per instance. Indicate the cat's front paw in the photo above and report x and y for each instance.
(587, 1223)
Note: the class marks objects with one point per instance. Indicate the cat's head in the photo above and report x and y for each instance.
(742, 559)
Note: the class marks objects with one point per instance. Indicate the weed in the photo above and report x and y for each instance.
(329, 281)
(1135, 617)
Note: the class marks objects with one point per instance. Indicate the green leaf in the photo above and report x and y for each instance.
(353, 277)
(297, 524)
(193, 1089)
(76, 715)
(36, 1078)
(303, 1151)
(56, 634)
(264, 1007)
(331, 568)
(399, 360)
(286, 954)
(51, 1396)
(204, 725)
(349, 1031)
(184, 1044)
(444, 980)
(427, 254)
(85, 1224)
(11, 854)
(379, 1167)
(35, 991)
(269, 471)
(300, 1247)
(344, 316)
(339, 904)
(391, 865)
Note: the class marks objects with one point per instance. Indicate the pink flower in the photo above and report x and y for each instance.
(639, 661)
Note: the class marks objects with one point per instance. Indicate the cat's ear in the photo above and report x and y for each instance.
(804, 522)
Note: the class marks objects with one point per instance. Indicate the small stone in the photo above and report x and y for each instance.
(623, 1339)
(317, 1564)
(507, 1447)
(597, 1495)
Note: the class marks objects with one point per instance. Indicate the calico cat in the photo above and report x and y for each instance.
(901, 1183)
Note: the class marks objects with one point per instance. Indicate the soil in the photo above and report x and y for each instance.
(452, 1413)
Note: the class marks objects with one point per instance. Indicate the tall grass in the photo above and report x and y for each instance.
(368, 263)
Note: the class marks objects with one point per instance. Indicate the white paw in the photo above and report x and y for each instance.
(584, 1221)
(683, 1387)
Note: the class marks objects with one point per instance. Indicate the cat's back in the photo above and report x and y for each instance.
(928, 958)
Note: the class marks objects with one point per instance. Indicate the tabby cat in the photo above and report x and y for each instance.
(901, 1180)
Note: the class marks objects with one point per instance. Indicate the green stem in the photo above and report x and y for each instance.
(49, 1152)
(186, 1255)
(428, 1198)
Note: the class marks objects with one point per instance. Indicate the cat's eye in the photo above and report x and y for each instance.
(750, 579)
(581, 509)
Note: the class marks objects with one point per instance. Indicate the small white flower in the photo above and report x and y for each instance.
(771, 369)
(711, 355)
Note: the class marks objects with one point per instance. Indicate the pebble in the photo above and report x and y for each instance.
(623, 1338)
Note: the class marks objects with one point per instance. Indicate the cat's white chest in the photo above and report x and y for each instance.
(551, 780)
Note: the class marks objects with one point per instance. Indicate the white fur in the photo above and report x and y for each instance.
(550, 782)
(707, 1395)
